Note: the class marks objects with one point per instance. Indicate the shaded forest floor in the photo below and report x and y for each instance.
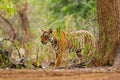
(60, 74)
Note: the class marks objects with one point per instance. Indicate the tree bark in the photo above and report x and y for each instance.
(108, 14)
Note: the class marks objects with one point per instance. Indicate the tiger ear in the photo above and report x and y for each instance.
(42, 30)
(50, 30)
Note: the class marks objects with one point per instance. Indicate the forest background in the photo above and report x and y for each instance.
(23, 20)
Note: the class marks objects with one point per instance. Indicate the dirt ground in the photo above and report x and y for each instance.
(60, 74)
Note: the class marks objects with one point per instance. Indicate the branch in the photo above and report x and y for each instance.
(2, 30)
(10, 25)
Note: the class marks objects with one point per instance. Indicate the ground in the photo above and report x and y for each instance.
(60, 74)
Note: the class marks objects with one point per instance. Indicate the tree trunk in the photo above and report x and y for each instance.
(22, 11)
(108, 13)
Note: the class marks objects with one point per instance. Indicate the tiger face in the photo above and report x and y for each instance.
(45, 37)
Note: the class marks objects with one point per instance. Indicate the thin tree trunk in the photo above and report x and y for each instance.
(22, 11)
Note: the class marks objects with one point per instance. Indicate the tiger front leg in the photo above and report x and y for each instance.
(59, 59)
(52, 63)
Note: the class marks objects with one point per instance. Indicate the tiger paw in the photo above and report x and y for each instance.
(52, 64)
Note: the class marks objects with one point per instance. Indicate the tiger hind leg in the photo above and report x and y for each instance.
(81, 64)
(83, 61)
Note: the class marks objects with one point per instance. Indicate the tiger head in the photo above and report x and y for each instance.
(46, 36)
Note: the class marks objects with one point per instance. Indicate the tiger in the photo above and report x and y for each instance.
(80, 42)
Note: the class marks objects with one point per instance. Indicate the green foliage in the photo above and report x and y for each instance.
(56, 14)
(107, 48)
(64, 13)
(83, 8)
(69, 15)
(58, 29)
(8, 6)
(16, 43)
(71, 56)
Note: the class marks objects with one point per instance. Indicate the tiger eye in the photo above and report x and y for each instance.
(46, 34)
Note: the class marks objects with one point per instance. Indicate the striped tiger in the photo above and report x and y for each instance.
(80, 42)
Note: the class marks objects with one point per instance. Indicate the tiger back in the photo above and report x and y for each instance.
(82, 43)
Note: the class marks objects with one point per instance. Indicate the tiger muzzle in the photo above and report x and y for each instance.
(43, 42)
